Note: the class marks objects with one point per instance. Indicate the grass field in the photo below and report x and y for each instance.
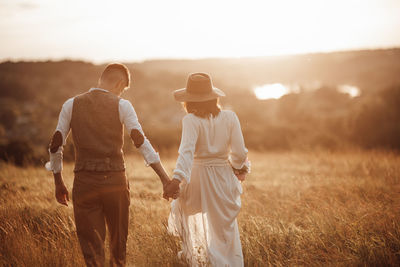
(298, 208)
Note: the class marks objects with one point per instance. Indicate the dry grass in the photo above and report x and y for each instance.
(306, 209)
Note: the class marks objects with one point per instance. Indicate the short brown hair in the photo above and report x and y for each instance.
(203, 109)
(113, 71)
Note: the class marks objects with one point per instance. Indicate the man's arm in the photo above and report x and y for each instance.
(55, 149)
(138, 140)
(162, 174)
(61, 190)
(56, 152)
(129, 118)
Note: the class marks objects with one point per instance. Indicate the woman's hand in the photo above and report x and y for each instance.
(240, 176)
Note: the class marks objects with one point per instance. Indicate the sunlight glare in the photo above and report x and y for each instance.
(271, 91)
(135, 29)
(351, 90)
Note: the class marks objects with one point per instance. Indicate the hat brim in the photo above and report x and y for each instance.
(182, 95)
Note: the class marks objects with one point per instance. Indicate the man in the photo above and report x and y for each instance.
(101, 191)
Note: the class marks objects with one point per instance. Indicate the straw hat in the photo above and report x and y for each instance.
(199, 88)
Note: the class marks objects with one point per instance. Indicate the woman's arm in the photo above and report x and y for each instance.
(186, 149)
(185, 159)
(238, 155)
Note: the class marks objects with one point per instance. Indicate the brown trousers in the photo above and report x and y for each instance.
(101, 198)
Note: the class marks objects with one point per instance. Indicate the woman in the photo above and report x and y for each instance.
(211, 152)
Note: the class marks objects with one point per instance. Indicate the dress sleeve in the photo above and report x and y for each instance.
(186, 149)
(128, 117)
(238, 154)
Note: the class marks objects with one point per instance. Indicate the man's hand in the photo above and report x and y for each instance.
(62, 195)
(172, 189)
(165, 185)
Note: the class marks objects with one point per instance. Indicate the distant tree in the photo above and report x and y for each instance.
(10, 87)
(8, 118)
(17, 152)
(377, 122)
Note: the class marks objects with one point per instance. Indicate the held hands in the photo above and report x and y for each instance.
(171, 189)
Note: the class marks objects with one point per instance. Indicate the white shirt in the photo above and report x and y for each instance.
(210, 142)
(127, 117)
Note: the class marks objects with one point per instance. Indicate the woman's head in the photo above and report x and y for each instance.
(200, 97)
(203, 109)
(199, 88)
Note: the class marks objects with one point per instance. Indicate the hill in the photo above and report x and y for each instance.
(317, 114)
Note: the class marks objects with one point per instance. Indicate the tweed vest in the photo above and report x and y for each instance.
(97, 132)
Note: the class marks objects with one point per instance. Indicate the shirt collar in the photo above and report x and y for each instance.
(100, 89)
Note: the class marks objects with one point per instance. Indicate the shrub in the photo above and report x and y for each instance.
(18, 152)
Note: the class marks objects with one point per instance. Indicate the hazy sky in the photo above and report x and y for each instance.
(146, 29)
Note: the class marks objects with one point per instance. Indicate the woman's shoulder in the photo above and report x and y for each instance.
(225, 113)
(189, 118)
(228, 113)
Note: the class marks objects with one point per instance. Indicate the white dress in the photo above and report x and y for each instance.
(204, 215)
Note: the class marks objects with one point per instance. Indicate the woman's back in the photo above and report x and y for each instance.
(210, 196)
(217, 139)
(204, 215)
(214, 134)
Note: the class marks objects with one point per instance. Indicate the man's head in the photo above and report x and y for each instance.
(115, 78)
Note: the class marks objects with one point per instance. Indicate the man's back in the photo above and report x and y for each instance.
(97, 132)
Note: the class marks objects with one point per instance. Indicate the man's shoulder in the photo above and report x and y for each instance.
(69, 102)
(97, 94)
(78, 96)
(124, 103)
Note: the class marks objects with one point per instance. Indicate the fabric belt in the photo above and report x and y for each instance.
(211, 162)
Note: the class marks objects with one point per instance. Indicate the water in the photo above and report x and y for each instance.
(351, 90)
(271, 91)
(277, 90)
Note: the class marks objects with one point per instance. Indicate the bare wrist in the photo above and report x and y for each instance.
(58, 180)
(176, 180)
(165, 181)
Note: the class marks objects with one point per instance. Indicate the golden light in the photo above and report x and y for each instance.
(271, 91)
(135, 30)
(352, 91)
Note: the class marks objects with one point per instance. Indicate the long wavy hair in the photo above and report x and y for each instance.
(203, 109)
